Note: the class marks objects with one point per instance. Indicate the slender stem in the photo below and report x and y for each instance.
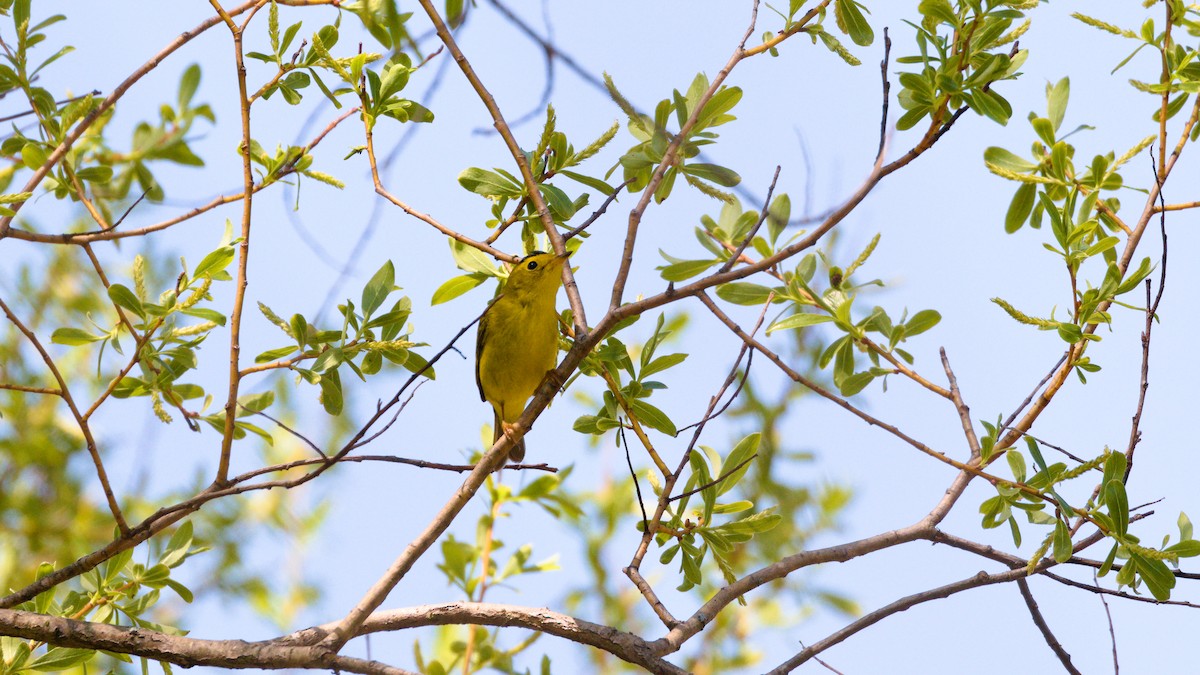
(634, 424)
(239, 297)
(1040, 621)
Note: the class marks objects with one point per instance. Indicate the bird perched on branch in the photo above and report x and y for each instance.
(517, 343)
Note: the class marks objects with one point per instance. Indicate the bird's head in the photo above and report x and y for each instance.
(537, 273)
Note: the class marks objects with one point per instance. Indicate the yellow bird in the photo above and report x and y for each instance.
(517, 342)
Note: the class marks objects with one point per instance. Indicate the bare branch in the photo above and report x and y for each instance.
(1112, 633)
(1040, 622)
(239, 290)
(1135, 433)
(624, 645)
(181, 651)
(599, 212)
(964, 412)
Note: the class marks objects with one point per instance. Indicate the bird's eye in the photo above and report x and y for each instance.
(532, 265)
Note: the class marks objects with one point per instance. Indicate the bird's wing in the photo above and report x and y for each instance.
(479, 337)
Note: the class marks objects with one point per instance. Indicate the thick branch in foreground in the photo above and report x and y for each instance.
(181, 651)
(626, 646)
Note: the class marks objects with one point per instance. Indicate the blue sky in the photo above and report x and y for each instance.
(943, 246)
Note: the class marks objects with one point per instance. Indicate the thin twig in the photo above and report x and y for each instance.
(964, 412)
(716, 481)
(31, 390)
(599, 212)
(304, 439)
(887, 88)
(1112, 633)
(637, 486)
(732, 397)
(9, 118)
(1053, 369)
(762, 218)
(1047, 634)
(1135, 433)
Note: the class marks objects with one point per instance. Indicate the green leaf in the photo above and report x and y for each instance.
(182, 591)
(652, 417)
(798, 321)
(757, 523)
(33, 155)
(851, 21)
(206, 314)
(329, 359)
(1132, 280)
(594, 183)
(58, 659)
(73, 337)
(938, 10)
(560, 205)
(123, 297)
(1062, 542)
(1184, 549)
(1056, 99)
(489, 184)
(921, 322)
(1156, 574)
(1020, 207)
(856, 383)
(470, 259)
(1118, 505)
(178, 546)
(743, 293)
(713, 173)
(660, 364)
(415, 363)
(331, 392)
(214, 262)
(1007, 160)
(685, 269)
(744, 450)
(274, 354)
(455, 287)
(378, 288)
(714, 112)
(778, 215)
(1016, 462)
(95, 174)
(254, 403)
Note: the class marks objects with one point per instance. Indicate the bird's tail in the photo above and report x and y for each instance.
(517, 453)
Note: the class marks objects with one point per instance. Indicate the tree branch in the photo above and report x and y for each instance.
(181, 651)
(1040, 622)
